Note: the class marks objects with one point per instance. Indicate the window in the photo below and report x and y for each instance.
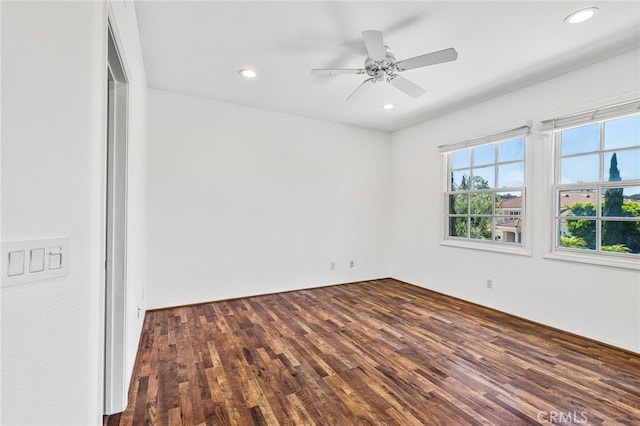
(597, 188)
(485, 193)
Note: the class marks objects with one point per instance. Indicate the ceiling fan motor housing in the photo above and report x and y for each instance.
(381, 69)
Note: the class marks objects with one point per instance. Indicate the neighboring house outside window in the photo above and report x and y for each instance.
(509, 222)
(597, 188)
(486, 194)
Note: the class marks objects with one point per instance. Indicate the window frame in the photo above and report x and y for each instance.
(596, 256)
(521, 248)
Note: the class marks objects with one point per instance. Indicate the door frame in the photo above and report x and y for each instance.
(114, 229)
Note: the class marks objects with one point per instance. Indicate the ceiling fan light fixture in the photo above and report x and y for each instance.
(387, 106)
(581, 15)
(247, 73)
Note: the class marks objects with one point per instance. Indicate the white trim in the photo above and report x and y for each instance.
(112, 25)
(589, 106)
(526, 237)
(600, 259)
(521, 131)
(505, 248)
(445, 194)
(619, 109)
(115, 381)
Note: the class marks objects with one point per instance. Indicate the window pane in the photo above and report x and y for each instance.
(508, 230)
(485, 154)
(627, 167)
(612, 203)
(509, 204)
(577, 233)
(482, 203)
(511, 175)
(458, 227)
(460, 159)
(577, 203)
(621, 237)
(484, 177)
(460, 180)
(583, 168)
(632, 195)
(622, 132)
(580, 139)
(511, 150)
(618, 203)
(480, 228)
(458, 204)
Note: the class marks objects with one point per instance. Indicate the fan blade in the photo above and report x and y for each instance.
(337, 71)
(433, 58)
(375, 45)
(406, 86)
(364, 85)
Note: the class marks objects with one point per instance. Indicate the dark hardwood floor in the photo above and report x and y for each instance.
(379, 352)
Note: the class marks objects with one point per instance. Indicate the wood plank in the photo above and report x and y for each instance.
(376, 352)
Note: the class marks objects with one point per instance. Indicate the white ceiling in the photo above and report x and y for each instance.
(197, 48)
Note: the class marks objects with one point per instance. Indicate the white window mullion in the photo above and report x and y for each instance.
(602, 166)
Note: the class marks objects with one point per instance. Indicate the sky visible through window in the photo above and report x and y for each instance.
(510, 166)
(581, 162)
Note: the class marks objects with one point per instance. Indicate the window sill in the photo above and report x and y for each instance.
(487, 246)
(595, 259)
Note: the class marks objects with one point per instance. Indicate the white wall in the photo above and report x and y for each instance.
(598, 302)
(53, 112)
(245, 201)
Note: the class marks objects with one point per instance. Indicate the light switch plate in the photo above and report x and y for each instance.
(36, 260)
(41, 260)
(15, 263)
(55, 259)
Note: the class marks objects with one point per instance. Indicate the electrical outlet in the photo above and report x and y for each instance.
(332, 266)
(352, 264)
(489, 283)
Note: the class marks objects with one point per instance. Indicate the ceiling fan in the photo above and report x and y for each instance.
(381, 65)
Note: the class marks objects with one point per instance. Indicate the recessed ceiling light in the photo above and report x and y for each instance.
(581, 15)
(387, 106)
(247, 73)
